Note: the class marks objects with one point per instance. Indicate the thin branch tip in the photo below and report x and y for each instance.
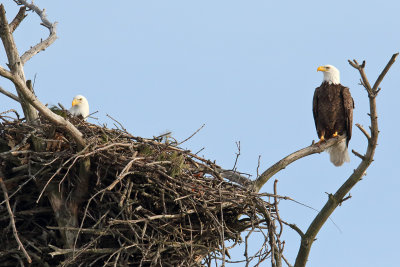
(358, 154)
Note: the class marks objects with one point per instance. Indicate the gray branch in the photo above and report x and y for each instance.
(42, 45)
(283, 163)
(10, 95)
(15, 66)
(235, 177)
(18, 19)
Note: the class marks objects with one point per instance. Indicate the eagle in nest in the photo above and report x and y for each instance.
(80, 107)
(333, 113)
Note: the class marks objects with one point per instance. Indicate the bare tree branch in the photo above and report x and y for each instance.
(283, 163)
(294, 227)
(42, 45)
(256, 185)
(10, 95)
(358, 154)
(367, 135)
(336, 199)
(382, 75)
(5, 73)
(198, 130)
(14, 64)
(364, 80)
(18, 19)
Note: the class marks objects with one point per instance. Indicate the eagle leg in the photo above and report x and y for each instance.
(335, 134)
(321, 140)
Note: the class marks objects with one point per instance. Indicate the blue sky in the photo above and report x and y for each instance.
(247, 70)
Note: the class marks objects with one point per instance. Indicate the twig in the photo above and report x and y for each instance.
(294, 227)
(120, 124)
(59, 251)
(286, 261)
(344, 199)
(363, 131)
(258, 165)
(198, 130)
(163, 216)
(10, 213)
(358, 154)
(277, 210)
(237, 155)
(123, 173)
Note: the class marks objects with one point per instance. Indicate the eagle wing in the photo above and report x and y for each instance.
(348, 103)
(315, 109)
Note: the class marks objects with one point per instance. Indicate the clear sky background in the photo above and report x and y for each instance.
(247, 70)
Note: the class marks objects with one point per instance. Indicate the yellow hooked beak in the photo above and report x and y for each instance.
(321, 68)
(75, 102)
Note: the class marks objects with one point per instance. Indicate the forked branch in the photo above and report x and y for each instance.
(42, 45)
(18, 19)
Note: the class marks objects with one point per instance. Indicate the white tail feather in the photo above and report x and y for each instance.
(339, 153)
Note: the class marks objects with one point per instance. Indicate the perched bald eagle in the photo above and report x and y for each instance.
(80, 107)
(333, 113)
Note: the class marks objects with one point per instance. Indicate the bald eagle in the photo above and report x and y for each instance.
(333, 113)
(80, 107)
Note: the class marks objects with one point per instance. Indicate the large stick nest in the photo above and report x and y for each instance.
(147, 202)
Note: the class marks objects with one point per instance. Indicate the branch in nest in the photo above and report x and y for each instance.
(235, 177)
(12, 221)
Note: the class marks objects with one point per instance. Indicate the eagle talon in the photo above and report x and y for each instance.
(335, 134)
(322, 140)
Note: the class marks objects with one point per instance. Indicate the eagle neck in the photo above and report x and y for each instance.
(331, 78)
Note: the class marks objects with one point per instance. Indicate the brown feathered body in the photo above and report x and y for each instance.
(333, 112)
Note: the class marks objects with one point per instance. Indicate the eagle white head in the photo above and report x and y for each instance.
(331, 74)
(80, 107)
